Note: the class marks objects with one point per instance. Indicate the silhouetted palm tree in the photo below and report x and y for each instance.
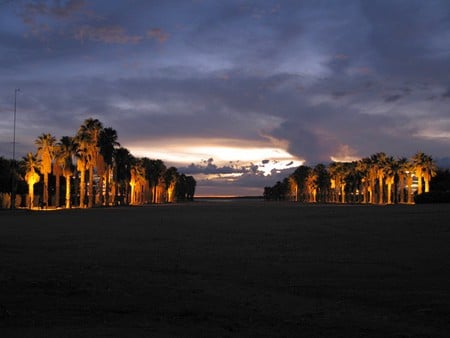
(300, 175)
(83, 155)
(108, 142)
(322, 183)
(123, 161)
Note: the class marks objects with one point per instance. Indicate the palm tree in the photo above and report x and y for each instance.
(362, 170)
(300, 176)
(190, 187)
(170, 180)
(337, 180)
(83, 155)
(45, 153)
(91, 129)
(137, 182)
(354, 181)
(30, 165)
(66, 148)
(108, 142)
(154, 172)
(425, 169)
(293, 189)
(390, 170)
(322, 182)
(311, 184)
(403, 170)
(370, 169)
(379, 164)
(122, 173)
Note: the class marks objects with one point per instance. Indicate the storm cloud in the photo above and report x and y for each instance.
(322, 80)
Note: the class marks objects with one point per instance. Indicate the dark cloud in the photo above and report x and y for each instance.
(359, 76)
(392, 98)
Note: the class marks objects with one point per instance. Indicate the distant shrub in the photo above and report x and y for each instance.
(433, 197)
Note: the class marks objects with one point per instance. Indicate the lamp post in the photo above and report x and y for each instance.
(13, 185)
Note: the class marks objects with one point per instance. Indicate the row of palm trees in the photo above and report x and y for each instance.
(378, 179)
(100, 172)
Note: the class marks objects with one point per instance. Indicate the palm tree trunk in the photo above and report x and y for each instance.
(91, 187)
(419, 184)
(389, 191)
(45, 189)
(107, 185)
(57, 187)
(31, 193)
(67, 191)
(427, 185)
(409, 182)
(82, 187)
(380, 190)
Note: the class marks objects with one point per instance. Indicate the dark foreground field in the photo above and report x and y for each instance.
(226, 269)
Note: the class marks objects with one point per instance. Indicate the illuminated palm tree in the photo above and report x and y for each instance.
(45, 153)
(311, 184)
(362, 170)
(425, 169)
(154, 172)
(137, 182)
(170, 180)
(390, 170)
(66, 148)
(91, 128)
(378, 168)
(293, 189)
(30, 165)
(403, 169)
(370, 178)
(336, 170)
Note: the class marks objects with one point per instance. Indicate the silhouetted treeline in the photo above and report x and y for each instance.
(378, 179)
(86, 170)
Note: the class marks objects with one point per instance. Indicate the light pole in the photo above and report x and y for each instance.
(13, 185)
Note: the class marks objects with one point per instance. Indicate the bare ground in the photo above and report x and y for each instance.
(222, 269)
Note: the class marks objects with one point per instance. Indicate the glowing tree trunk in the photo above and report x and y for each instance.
(389, 182)
(91, 187)
(57, 173)
(419, 182)
(133, 191)
(67, 176)
(32, 178)
(343, 193)
(427, 182)
(82, 187)
(380, 189)
(409, 182)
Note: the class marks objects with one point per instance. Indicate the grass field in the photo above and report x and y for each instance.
(219, 269)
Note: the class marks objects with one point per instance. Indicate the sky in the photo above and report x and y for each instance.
(237, 93)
